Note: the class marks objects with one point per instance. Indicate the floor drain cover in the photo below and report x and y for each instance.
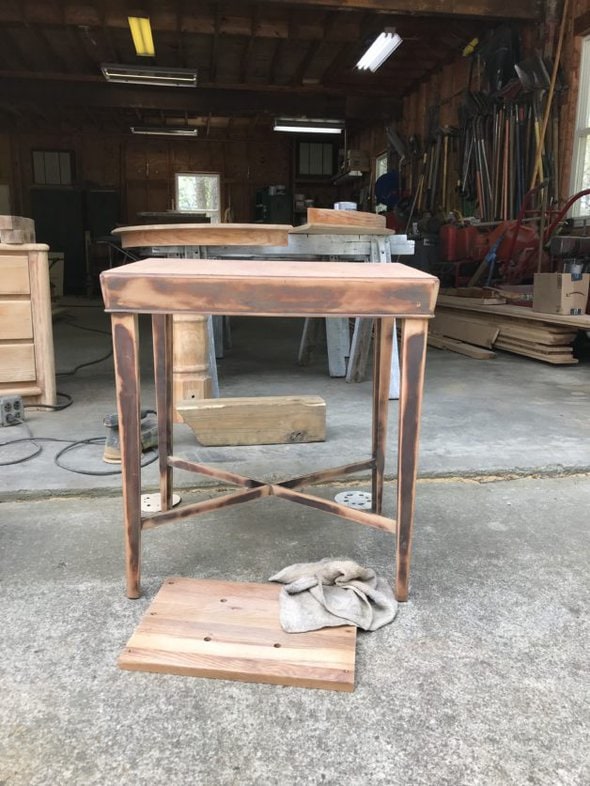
(151, 503)
(362, 500)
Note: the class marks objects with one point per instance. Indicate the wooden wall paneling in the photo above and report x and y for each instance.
(100, 157)
(144, 169)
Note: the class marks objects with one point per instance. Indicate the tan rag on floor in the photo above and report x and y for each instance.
(333, 592)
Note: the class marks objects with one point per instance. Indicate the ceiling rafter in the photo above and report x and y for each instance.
(274, 63)
(249, 46)
(505, 9)
(215, 46)
(266, 52)
(306, 60)
(54, 57)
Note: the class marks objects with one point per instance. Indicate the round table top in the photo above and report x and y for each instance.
(204, 235)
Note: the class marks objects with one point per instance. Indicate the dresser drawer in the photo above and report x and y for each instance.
(14, 274)
(15, 319)
(17, 363)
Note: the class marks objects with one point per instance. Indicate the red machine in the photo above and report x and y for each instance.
(513, 246)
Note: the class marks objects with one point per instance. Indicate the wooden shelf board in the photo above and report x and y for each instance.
(230, 630)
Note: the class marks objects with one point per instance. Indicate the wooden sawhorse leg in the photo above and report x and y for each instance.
(412, 361)
(126, 356)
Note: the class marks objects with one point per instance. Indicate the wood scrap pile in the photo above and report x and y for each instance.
(477, 334)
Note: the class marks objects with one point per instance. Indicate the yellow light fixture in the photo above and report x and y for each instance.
(141, 32)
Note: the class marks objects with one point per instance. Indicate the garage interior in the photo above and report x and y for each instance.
(480, 679)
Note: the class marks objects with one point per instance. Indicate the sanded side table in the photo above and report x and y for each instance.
(162, 287)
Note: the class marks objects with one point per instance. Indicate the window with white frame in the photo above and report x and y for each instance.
(581, 161)
(199, 192)
(380, 169)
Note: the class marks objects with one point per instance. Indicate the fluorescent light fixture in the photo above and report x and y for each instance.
(303, 125)
(165, 130)
(141, 32)
(149, 75)
(386, 43)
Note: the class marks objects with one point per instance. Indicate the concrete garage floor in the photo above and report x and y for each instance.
(482, 678)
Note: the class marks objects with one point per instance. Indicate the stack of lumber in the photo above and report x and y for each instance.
(477, 331)
(16, 229)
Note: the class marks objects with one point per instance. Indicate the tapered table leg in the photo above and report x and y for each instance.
(162, 340)
(126, 355)
(383, 347)
(412, 360)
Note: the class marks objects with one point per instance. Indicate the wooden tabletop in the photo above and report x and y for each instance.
(204, 235)
(289, 288)
(320, 221)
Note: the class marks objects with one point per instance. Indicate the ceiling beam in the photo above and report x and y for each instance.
(343, 26)
(214, 100)
(491, 9)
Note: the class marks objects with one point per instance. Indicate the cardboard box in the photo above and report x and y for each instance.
(561, 293)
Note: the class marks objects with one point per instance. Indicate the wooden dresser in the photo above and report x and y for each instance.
(27, 366)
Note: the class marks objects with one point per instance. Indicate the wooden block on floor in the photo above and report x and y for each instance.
(230, 630)
(255, 420)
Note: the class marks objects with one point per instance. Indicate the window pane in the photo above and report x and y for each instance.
(381, 165)
(197, 192)
(52, 167)
(584, 158)
(39, 167)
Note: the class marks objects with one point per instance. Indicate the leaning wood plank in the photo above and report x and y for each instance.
(230, 630)
(355, 218)
(547, 358)
(339, 229)
(449, 300)
(440, 342)
(505, 319)
(471, 332)
(264, 420)
(581, 322)
(547, 339)
(517, 328)
(536, 347)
